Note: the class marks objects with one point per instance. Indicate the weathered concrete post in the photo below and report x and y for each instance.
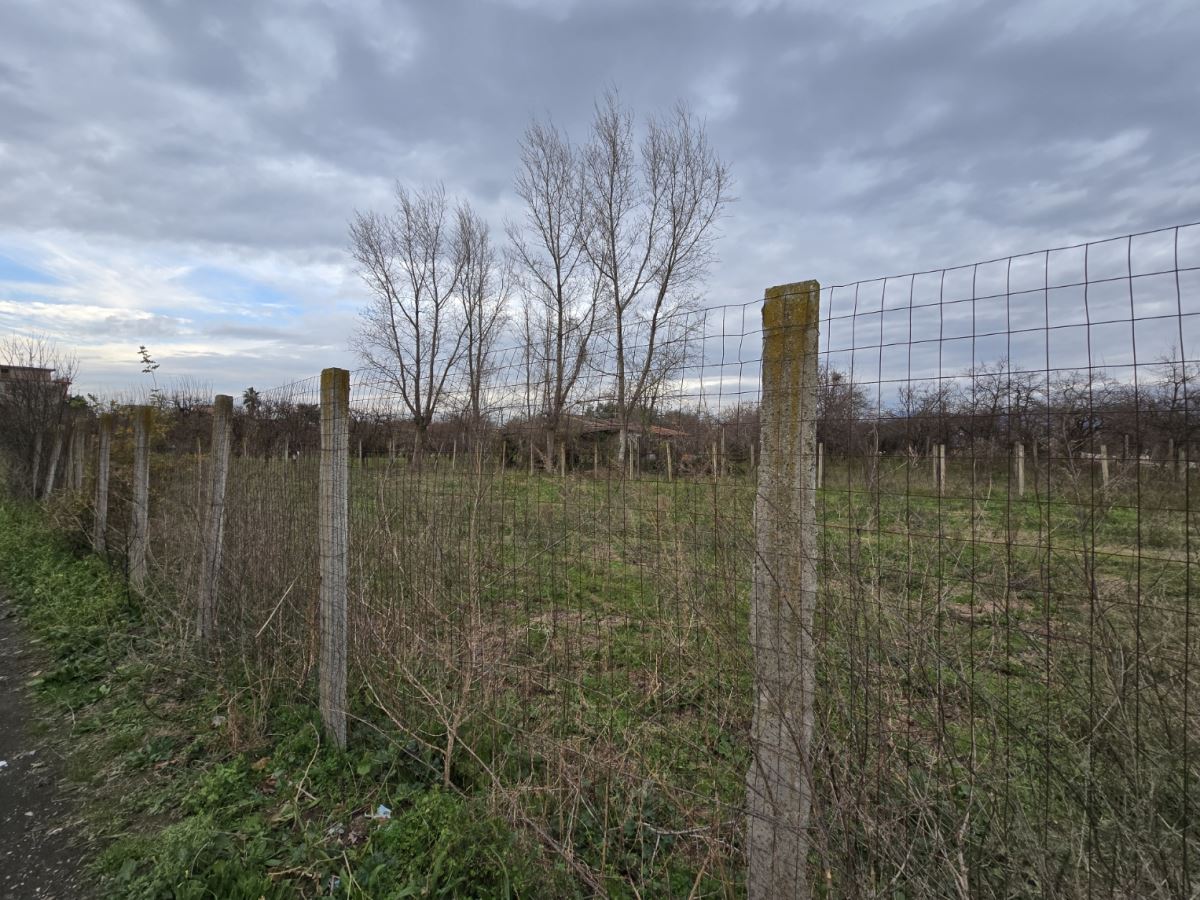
(562, 460)
(79, 439)
(1183, 462)
(1019, 462)
(214, 523)
(143, 421)
(779, 792)
(716, 468)
(100, 507)
(595, 460)
(52, 464)
(35, 465)
(941, 469)
(73, 470)
(724, 458)
(1104, 465)
(670, 463)
(820, 464)
(333, 537)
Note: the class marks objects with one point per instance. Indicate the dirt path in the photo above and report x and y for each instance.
(38, 826)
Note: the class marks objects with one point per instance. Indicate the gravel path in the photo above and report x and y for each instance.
(38, 825)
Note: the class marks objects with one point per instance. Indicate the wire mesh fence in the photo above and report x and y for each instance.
(559, 592)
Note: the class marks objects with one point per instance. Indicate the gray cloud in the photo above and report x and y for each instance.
(893, 136)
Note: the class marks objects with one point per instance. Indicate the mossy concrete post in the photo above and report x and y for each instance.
(52, 464)
(334, 539)
(214, 521)
(779, 789)
(1019, 465)
(100, 505)
(143, 422)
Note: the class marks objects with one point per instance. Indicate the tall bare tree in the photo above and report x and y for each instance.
(35, 377)
(650, 214)
(483, 292)
(412, 330)
(559, 314)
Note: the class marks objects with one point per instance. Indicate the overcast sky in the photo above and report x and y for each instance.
(181, 174)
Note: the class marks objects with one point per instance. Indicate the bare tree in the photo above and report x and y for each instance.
(35, 376)
(651, 212)
(559, 314)
(483, 291)
(411, 331)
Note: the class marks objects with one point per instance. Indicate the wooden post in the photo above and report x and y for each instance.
(214, 523)
(143, 421)
(333, 538)
(100, 507)
(1104, 465)
(1019, 465)
(52, 465)
(779, 790)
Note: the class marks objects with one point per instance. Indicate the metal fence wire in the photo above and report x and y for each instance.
(979, 483)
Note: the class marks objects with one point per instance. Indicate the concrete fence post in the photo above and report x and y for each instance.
(78, 452)
(52, 463)
(941, 469)
(1019, 464)
(143, 420)
(820, 464)
(1104, 465)
(333, 535)
(100, 506)
(214, 522)
(562, 460)
(779, 792)
(670, 463)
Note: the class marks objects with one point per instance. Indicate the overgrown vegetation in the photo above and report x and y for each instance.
(197, 792)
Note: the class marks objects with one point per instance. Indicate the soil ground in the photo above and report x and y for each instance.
(40, 838)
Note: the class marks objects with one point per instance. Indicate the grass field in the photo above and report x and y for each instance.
(1005, 683)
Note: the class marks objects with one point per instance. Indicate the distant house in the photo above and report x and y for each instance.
(13, 377)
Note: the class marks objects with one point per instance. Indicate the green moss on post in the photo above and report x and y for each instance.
(779, 790)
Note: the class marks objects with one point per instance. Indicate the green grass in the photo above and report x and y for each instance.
(186, 805)
(1001, 680)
